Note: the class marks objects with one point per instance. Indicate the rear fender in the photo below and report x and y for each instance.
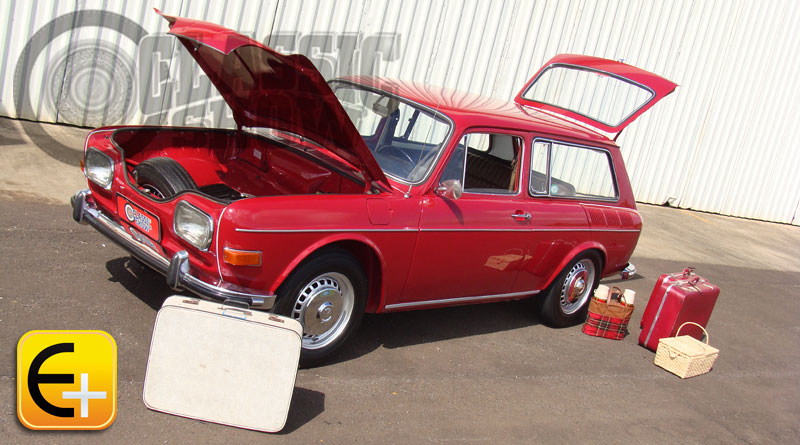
(577, 250)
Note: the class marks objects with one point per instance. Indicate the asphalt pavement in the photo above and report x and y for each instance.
(481, 373)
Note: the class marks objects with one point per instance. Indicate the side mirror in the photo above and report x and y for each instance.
(450, 189)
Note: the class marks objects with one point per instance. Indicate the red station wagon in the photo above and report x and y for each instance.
(367, 194)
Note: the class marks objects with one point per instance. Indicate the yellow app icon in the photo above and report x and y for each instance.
(66, 380)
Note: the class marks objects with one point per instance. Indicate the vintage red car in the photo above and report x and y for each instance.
(366, 194)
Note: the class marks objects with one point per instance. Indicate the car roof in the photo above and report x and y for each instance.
(474, 110)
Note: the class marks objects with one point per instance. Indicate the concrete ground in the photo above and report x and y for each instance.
(483, 373)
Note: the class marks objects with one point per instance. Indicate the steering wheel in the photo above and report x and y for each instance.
(403, 156)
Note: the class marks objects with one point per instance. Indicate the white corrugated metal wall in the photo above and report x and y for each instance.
(724, 142)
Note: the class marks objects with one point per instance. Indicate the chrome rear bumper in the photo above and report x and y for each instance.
(175, 269)
(628, 272)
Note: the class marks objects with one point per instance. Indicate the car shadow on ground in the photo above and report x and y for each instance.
(617, 280)
(143, 282)
(393, 330)
(404, 329)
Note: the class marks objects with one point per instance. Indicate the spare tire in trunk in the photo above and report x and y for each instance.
(163, 177)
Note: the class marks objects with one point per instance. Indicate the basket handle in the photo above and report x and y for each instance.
(618, 292)
(691, 322)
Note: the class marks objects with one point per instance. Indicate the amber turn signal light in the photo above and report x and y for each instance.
(236, 257)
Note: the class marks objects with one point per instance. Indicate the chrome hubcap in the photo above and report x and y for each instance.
(577, 286)
(324, 307)
(325, 312)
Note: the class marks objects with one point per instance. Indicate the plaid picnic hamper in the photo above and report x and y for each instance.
(609, 318)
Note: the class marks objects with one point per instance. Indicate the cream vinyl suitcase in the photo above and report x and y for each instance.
(222, 364)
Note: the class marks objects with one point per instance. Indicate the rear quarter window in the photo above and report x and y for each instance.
(571, 171)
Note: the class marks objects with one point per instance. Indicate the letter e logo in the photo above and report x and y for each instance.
(66, 380)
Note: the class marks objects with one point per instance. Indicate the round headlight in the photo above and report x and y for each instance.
(98, 167)
(193, 225)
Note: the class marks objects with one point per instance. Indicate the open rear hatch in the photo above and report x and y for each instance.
(267, 89)
(601, 93)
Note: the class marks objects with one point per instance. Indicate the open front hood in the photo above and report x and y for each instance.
(267, 89)
(602, 93)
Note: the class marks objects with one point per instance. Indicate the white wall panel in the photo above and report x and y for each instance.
(724, 142)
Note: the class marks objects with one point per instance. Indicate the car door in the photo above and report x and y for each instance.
(471, 248)
(563, 178)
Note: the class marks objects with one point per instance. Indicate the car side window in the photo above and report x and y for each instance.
(571, 171)
(539, 164)
(486, 163)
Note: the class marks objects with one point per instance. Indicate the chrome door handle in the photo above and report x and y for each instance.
(526, 216)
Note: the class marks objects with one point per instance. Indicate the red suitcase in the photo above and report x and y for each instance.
(677, 298)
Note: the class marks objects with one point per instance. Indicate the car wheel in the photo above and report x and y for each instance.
(567, 298)
(327, 295)
(163, 177)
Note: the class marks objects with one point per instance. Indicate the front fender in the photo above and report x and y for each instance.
(327, 241)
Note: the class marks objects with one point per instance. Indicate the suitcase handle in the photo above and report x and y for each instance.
(705, 333)
(226, 311)
(688, 271)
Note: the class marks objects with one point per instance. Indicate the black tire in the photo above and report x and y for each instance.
(331, 281)
(163, 177)
(566, 300)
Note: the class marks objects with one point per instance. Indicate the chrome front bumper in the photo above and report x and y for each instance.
(176, 269)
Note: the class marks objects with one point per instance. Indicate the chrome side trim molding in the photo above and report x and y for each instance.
(407, 229)
(458, 300)
(412, 229)
(475, 230)
(586, 230)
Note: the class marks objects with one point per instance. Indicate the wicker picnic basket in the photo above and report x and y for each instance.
(685, 356)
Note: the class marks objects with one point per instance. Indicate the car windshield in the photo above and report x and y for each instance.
(404, 138)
